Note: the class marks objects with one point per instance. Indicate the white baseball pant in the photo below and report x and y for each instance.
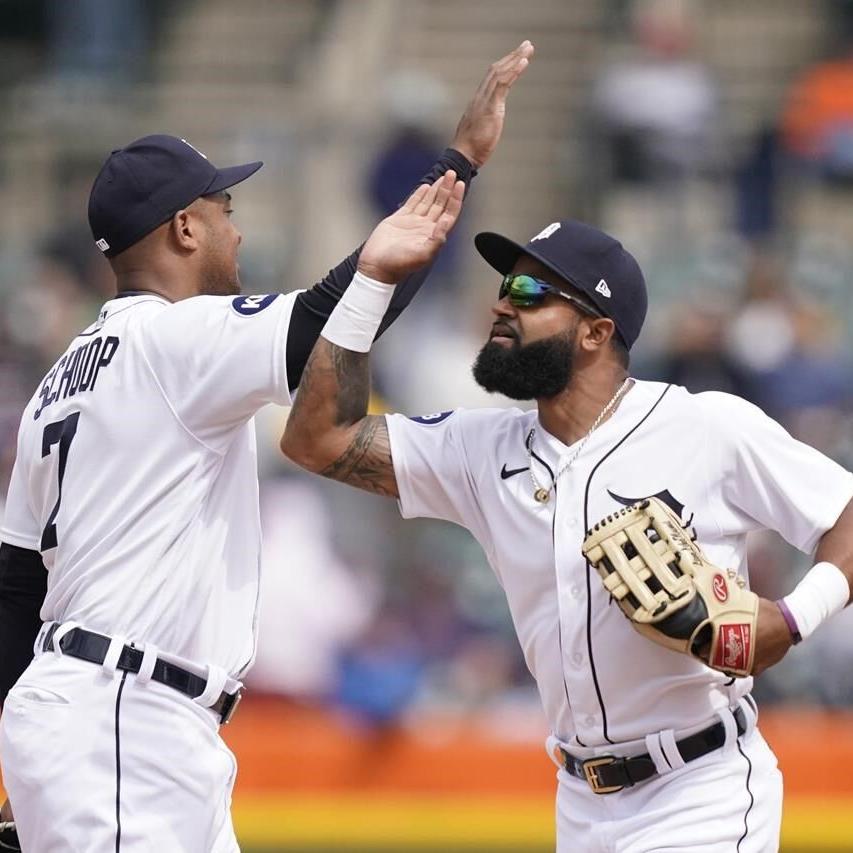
(728, 801)
(94, 761)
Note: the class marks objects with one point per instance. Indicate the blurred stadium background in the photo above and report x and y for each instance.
(390, 708)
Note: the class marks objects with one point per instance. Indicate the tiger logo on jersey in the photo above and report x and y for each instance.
(665, 497)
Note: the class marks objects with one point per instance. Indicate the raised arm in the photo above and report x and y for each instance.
(328, 431)
(477, 135)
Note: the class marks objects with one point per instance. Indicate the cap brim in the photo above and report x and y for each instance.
(232, 175)
(498, 251)
(502, 253)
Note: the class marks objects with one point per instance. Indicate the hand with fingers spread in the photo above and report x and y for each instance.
(412, 235)
(481, 125)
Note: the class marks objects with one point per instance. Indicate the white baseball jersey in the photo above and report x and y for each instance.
(136, 472)
(717, 460)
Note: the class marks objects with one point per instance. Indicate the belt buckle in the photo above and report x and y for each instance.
(590, 771)
(230, 708)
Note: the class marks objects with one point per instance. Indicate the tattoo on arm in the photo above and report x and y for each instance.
(332, 401)
(353, 380)
(366, 463)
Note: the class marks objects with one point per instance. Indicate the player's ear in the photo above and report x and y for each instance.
(184, 229)
(596, 333)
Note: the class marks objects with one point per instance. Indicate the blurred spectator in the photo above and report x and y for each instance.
(696, 357)
(756, 185)
(414, 101)
(46, 312)
(833, 661)
(481, 671)
(791, 348)
(817, 121)
(406, 155)
(69, 242)
(314, 604)
(98, 42)
(22, 28)
(760, 336)
(379, 674)
(658, 110)
(15, 390)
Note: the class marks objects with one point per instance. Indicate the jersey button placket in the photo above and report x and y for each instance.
(568, 537)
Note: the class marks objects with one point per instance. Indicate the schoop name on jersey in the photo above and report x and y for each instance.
(76, 371)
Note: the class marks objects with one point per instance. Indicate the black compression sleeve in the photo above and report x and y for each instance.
(313, 307)
(23, 585)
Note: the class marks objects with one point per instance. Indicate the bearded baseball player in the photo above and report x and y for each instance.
(615, 516)
(132, 527)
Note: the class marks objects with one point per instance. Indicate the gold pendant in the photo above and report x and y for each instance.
(542, 495)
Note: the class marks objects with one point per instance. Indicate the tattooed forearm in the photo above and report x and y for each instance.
(328, 430)
(366, 463)
(353, 377)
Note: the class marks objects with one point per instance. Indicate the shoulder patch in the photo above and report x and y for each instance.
(436, 418)
(247, 306)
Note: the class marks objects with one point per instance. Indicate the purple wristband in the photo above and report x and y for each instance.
(789, 620)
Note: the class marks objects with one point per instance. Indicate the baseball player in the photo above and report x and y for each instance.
(132, 529)
(656, 749)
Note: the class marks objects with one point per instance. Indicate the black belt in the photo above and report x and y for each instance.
(92, 647)
(607, 774)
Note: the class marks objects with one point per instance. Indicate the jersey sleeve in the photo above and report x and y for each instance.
(433, 468)
(765, 478)
(219, 359)
(20, 525)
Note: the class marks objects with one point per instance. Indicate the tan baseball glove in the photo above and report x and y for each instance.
(651, 565)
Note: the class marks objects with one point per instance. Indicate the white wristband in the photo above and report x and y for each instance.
(822, 593)
(355, 320)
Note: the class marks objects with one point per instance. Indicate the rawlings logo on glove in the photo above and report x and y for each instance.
(650, 565)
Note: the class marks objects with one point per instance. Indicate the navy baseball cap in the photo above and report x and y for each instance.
(590, 260)
(146, 183)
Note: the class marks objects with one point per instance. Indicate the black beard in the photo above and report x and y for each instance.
(532, 372)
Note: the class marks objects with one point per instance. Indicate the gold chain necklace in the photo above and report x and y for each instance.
(540, 493)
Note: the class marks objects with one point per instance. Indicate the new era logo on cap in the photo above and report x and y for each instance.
(603, 289)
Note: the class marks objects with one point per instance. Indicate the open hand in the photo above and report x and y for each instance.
(482, 122)
(410, 237)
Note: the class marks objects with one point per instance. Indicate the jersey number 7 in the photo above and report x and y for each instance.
(61, 432)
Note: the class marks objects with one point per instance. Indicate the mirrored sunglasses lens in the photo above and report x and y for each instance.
(525, 290)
